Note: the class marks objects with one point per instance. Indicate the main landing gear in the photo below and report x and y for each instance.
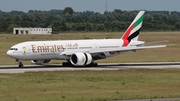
(92, 64)
(68, 64)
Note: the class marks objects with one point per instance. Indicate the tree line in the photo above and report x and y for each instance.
(68, 20)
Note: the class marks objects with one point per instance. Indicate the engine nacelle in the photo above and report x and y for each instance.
(81, 59)
(40, 62)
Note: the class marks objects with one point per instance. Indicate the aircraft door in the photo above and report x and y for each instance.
(95, 47)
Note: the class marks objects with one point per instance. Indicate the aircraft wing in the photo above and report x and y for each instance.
(122, 49)
(128, 49)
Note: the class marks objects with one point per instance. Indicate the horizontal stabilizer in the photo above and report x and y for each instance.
(157, 42)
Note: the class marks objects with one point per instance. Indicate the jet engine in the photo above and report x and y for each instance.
(80, 59)
(40, 62)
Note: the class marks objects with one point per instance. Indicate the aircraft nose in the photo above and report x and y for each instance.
(9, 53)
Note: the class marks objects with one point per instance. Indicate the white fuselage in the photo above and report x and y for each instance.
(40, 50)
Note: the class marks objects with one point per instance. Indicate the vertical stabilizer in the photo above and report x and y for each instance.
(133, 30)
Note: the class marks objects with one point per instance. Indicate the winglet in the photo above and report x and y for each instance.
(133, 30)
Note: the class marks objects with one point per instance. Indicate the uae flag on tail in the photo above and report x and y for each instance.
(133, 30)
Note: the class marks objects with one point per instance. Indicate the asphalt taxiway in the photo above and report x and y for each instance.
(111, 66)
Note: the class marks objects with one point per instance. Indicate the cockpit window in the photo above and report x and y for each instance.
(13, 49)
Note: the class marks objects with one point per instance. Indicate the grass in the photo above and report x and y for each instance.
(90, 85)
(170, 53)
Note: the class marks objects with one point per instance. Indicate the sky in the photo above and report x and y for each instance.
(90, 5)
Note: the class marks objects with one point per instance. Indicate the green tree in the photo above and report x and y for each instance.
(80, 27)
(68, 10)
(89, 27)
(11, 26)
(100, 27)
(177, 26)
(59, 26)
(5, 21)
(97, 18)
(67, 17)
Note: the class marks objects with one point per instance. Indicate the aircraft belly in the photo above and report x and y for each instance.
(62, 57)
(98, 56)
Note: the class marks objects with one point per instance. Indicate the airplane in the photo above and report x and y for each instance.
(81, 52)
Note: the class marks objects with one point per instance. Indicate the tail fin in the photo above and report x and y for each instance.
(132, 33)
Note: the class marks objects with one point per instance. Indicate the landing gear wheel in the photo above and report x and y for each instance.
(95, 65)
(21, 65)
(67, 64)
(92, 65)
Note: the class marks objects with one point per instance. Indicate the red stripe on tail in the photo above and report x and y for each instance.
(126, 35)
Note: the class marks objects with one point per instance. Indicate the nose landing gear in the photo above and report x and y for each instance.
(20, 63)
